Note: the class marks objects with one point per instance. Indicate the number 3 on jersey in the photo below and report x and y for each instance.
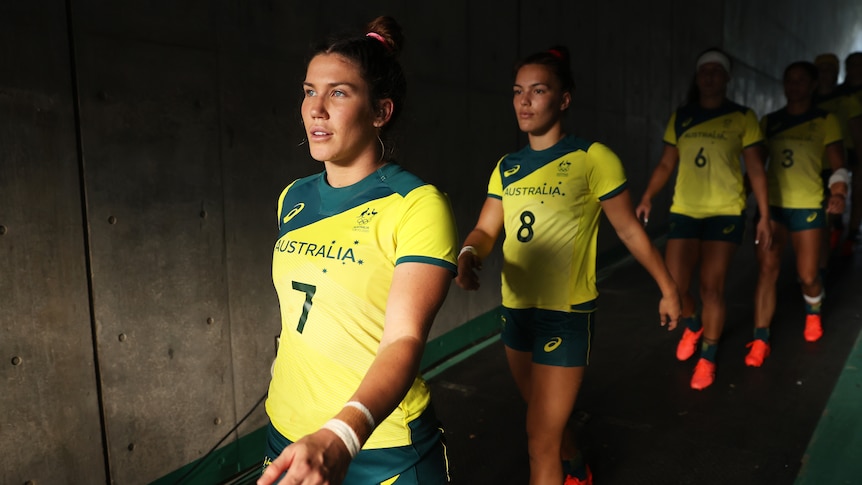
(309, 291)
(788, 158)
(525, 232)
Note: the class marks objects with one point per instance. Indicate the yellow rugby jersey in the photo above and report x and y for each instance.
(796, 144)
(332, 267)
(710, 143)
(845, 107)
(551, 214)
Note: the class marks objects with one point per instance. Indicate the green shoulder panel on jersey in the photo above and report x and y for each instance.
(301, 207)
(781, 120)
(311, 199)
(692, 115)
(401, 181)
(525, 161)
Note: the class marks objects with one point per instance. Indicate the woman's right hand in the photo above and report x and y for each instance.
(317, 459)
(642, 211)
(468, 264)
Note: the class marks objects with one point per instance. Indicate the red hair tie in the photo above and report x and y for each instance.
(555, 53)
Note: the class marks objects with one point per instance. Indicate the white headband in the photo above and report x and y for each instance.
(714, 56)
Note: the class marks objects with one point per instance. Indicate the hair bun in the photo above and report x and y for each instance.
(387, 30)
(561, 52)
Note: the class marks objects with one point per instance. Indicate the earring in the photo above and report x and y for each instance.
(382, 149)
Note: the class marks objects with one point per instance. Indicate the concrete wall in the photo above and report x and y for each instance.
(144, 145)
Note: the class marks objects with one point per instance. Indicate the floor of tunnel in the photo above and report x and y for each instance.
(638, 420)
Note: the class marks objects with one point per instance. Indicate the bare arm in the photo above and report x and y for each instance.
(838, 197)
(756, 171)
(660, 176)
(631, 233)
(417, 291)
(482, 239)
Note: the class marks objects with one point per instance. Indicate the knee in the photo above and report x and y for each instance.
(768, 269)
(808, 280)
(711, 294)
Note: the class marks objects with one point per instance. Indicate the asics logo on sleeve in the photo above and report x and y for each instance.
(811, 217)
(729, 229)
(293, 212)
(512, 171)
(553, 344)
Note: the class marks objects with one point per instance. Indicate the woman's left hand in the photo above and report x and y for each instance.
(320, 458)
(836, 204)
(763, 234)
(670, 309)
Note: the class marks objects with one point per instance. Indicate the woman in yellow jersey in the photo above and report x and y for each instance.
(797, 136)
(706, 138)
(847, 108)
(853, 87)
(548, 198)
(364, 258)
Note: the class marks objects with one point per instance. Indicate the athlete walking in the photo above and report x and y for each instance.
(848, 109)
(706, 138)
(852, 86)
(363, 261)
(798, 136)
(548, 197)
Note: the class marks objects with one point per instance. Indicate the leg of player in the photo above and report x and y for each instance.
(681, 257)
(769, 264)
(806, 245)
(713, 272)
(551, 403)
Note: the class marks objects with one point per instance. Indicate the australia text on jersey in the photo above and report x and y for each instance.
(716, 135)
(790, 137)
(317, 250)
(533, 190)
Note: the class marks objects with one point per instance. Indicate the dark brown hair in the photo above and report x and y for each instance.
(809, 67)
(557, 60)
(377, 60)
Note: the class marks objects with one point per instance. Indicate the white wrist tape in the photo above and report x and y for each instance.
(368, 417)
(840, 175)
(346, 433)
(467, 249)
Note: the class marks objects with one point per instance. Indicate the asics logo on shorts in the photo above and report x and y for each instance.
(553, 344)
(512, 171)
(811, 217)
(729, 229)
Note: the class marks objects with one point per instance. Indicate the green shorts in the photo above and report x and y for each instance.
(423, 462)
(555, 338)
(798, 219)
(715, 228)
